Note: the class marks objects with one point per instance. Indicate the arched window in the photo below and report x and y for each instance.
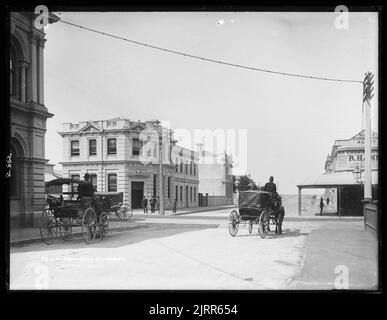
(13, 84)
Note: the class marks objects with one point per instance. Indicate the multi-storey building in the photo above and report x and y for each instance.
(215, 176)
(123, 156)
(343, 179)
(28, 115)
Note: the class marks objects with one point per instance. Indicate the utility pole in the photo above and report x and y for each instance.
(161, 180)
(367, 96)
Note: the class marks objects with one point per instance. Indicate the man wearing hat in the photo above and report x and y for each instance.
(270, 186)
(85, 188)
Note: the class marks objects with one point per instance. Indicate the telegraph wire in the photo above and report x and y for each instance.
(208, 59)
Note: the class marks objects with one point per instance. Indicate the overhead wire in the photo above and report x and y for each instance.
(208, 59)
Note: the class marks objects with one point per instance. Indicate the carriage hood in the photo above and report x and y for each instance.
(254, 199)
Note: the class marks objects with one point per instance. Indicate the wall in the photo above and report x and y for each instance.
(28, 116)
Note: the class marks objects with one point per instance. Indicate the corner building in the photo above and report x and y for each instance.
(123, 156)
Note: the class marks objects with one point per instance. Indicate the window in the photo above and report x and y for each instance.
(181, 166)
(93, 180)
(75, 148)
(75, 186)
(177, 164)
(112, 146)
(12, 72)
(194, 168)
(190, 194)
(186, 167)
(181, 193)
(15, 74)
(112, 182)
(177, 193)
(195, 194)
(92, 147)
(136, 146)
(190, 168)
(169, 187)
(154, 184)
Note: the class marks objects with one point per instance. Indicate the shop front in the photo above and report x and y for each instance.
(344, 173)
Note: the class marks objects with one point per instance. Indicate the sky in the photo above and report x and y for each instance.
(291, 123)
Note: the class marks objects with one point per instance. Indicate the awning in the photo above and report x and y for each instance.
(339, 178)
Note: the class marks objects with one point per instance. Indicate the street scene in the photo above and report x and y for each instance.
(167, 252)
(193, 150)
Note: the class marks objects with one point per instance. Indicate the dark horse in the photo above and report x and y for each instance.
(278, 211)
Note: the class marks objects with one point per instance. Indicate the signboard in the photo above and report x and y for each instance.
(349, 160)
(359, 138)
(358, 141)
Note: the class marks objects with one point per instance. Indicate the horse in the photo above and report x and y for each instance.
(278, 211)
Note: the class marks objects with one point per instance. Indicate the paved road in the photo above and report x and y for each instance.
(169, 253)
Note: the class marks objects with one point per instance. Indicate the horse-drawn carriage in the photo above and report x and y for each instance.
(114, 206)
(65, 211)
(257, 207)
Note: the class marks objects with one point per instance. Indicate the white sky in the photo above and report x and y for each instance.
(291, 122)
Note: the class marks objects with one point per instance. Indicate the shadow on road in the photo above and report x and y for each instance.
(139, 232)
(286, 233)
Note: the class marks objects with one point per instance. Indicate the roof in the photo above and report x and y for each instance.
(61, 181)
(49, 177)
(339, 178)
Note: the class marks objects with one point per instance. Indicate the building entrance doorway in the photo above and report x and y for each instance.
(137, 194)
(350, 201)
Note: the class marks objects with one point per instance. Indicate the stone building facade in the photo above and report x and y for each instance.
(28, 115)
(123, 156)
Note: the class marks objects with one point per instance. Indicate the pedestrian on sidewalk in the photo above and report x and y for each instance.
(321, 205)
(174, 206)
(145, 204)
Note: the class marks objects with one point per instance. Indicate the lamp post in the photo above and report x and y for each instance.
(367, 96)
(161, 180)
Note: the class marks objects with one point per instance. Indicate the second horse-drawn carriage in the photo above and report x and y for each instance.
(257, 207)
(66, 210)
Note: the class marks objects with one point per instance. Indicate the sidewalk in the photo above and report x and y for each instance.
(339, 258)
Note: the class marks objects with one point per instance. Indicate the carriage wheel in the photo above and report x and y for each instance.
(251, 227)
(124, 212)
(111, 215)
(89, 225)
(233, 223)
(65, 228)
(103, 225)
(48, 226)
(263, 225)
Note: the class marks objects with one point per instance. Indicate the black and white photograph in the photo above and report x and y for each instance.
(215, 150)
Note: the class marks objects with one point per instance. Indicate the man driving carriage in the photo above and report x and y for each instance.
(85, 188)
(270, 186)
